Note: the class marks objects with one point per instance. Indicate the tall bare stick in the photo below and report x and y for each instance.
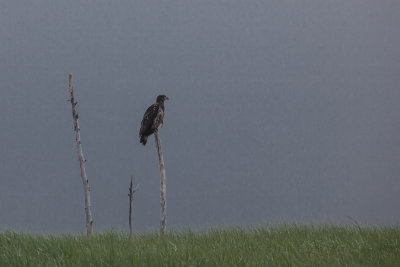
(131, 192)
(82, 160)
(163, 185)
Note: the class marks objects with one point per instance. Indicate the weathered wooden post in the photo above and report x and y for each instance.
(163, 185)
(82, 160)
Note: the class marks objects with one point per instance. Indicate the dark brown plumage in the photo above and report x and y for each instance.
(152, 118)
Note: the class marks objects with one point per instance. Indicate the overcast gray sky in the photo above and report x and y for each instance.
(279, 112)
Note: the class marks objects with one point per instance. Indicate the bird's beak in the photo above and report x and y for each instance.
(166, 98)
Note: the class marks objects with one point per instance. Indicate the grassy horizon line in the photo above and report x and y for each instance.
(285, 245)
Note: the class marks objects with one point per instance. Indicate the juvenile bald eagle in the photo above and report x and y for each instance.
(152, 118)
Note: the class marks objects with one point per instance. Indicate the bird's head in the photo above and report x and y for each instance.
(161, 98)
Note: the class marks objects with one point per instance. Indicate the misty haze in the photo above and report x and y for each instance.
(278, 112)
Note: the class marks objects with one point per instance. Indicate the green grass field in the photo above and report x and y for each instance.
(272, 246)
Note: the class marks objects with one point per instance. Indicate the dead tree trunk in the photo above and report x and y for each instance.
(163, 185)
(82, 160)
(131, 192)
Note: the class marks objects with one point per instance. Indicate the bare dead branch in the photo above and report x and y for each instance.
(82, 160)
(163, 185)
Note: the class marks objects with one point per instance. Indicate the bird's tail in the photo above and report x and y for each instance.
(143, 139)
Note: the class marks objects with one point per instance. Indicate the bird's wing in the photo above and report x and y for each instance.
(148, 118)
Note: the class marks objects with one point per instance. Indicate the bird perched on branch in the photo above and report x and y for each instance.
(152, 118)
